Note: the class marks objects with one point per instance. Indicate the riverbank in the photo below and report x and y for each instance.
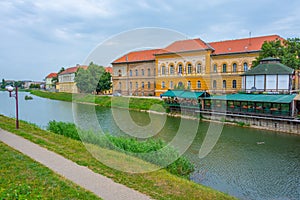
(159, 184)
(286, 126)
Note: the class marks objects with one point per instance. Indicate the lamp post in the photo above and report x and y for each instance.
(10, 90)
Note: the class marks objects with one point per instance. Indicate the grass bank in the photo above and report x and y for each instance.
(154, 151)
(23, 178)
(105, 101)
(158, 184)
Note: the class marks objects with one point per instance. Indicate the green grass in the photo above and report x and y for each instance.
(149, 150)
(105, 101)
(23, 178)
(158, 184)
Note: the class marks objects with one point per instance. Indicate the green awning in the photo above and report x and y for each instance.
(184, 94)
(268, 98)
(172, 93)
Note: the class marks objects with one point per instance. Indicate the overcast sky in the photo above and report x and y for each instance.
(38, 37)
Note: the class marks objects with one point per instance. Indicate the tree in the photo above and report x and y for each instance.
(3, 84)
(87, 80)
(104, 82)
(288, 51)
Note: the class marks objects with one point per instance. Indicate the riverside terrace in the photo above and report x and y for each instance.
(272, 105)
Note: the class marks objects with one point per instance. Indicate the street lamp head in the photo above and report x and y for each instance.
(10, 88)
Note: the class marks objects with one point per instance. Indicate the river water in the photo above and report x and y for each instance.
(246, 163)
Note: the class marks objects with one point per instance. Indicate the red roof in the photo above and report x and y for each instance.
(51, 75)
(185, 45)
(109, 69)
(73, 69)
(242, 45)
(137, 56)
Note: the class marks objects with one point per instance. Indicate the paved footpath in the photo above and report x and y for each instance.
(100, 185)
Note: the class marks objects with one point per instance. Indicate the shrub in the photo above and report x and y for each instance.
(150, 150)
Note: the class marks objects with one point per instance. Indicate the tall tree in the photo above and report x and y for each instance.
(104, 82)
(3, 84)
(87, 80)
(288, 51)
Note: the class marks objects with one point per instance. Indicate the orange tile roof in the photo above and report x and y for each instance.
(73, 69)
(51, 75)
(185, 45)
(242, 45)
(137, 56)
(109, 69)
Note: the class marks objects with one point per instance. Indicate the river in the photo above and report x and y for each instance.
(245, 163)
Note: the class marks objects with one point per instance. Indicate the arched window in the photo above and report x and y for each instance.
(180, 69)
(224, 69)
(171, 84)
(143, 73)
(136, 85)
(136, 72)
(163, 84)
(130, 72)
(130, 85)
(143, 85)
(189, 69)
(198, 84)
(149, 72)
(120, 85)
(245, 66)
(198, 68)
(120, 72)
(214, 84)
(234, 84)
(189, 84)
(171, 69)
(224, 83)
(149, 85)
(234, 67)
(215, 68)
(163, 70)
(180, 84)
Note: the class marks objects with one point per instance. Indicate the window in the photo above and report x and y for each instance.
(130, 73)
(120, 85)
(120, 72)
(180, 69)
(215, 68)
(149, 72)
(143, 85)
(234, 84)
(189, 84)
(163, 70)
(171, 84)
(224, 68)
(163, 84)
(234, 67)
(198, 84)
(149, 85)
(143, 73)
(130, 85)
(214, 84)
(189, 68)
(198, 68)
(180, 84)
(224, 83)
(245, 66)
(136, 72)
(136, 85)
(171, 69)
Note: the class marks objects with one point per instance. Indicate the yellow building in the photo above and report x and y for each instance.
(215, 67)
(66, 80)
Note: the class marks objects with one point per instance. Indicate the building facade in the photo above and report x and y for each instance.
(214, 67)
(134, 74)
(66, 79)
(49, 84)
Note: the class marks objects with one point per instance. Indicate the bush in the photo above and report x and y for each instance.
(147, 150)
